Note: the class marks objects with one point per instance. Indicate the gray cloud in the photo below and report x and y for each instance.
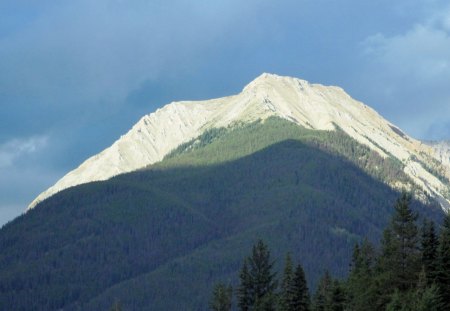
(15, 148)
(82, 72)
(409, 75)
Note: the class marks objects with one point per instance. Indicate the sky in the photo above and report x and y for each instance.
(77, 74)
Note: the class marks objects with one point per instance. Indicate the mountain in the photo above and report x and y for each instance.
(441, 150)
(160, 237)
(255, 165)
(312, 106)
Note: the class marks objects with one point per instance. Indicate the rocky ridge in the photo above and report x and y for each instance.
(313, 106)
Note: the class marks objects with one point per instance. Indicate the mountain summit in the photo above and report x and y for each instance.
(312, 106)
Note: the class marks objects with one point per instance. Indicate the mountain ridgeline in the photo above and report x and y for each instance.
(313, 106)
(158, 238)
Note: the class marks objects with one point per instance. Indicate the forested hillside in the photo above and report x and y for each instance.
(159, 238)
(410, 271)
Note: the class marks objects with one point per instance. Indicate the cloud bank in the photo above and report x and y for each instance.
(75, 75)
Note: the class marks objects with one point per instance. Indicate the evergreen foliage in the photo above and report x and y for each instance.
(443, 274)
(287, 296)
(294, 294)
(406, 257)
(159, 238)
(322, 300)
(430, 244)
(370, 284)
(222, 298)
(429, 299)
(399, 264)
(257, 282)
(244, 292)
(360, 285)
(301, 301)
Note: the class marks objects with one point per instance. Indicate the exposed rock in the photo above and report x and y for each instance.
(311, 105)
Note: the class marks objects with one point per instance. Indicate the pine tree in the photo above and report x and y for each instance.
(443, 274)
(257, 281)
(430, 244)
(244, 292)
(287, 294)
(222, 296)
(397, 302)
(302, 301)
(398, 266)
(406, 259)
(360, 283)
(294, 290)
(322, 297)
(261, 270)
(426, 297)
(337, 297)
(429, 300)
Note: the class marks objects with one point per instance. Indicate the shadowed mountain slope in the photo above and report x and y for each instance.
(157, 239)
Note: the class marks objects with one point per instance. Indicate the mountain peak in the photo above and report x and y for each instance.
(313, 106)
(266, 80)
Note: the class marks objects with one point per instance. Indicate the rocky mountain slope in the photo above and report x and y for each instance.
(313, 106)
(441, 151)
(159, 238)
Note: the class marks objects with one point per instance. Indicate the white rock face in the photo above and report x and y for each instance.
(311, 105)
(442, 151)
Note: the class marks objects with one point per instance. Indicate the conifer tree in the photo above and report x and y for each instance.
(294, 290)
(337, 297)
(302, 301)
(429, 243)
(222, 296)
(443, 274)
(287, 294)
(244, 291)
(426, 297)
(257, 281)
(322, 297)
(429, 300)
(406, 258)
(360, 283)
(400, 259)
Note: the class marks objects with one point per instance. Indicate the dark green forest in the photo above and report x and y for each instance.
(161, 237)
(409, 271)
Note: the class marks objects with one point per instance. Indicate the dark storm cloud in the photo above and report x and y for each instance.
(75, 75)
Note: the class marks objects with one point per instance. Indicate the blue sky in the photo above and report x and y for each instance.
(75, 75)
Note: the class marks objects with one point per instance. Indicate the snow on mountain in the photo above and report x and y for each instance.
(311, 105)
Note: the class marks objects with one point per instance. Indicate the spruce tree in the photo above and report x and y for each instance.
(287, 294)
(302, 301)
(337, 297)
(262, 277)
(244, 291)
(360, 282)
(426, 297)
(294, 294)
(406, 258)
(399, 265)
(322, 297)
(257, 281)
(429, 300)
(443, 274)
(430, 244)
(222, 296)
(401, 254)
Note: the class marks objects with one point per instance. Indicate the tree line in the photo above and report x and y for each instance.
(409, 271)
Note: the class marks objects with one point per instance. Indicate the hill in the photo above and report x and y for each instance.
(158, 238)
